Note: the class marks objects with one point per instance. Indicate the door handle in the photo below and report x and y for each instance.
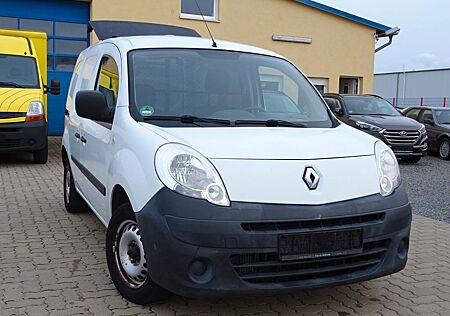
(77, 135)
(83, 140)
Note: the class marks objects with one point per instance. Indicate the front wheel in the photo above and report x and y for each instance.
(444, 149)
(127, 262)
(41, 156)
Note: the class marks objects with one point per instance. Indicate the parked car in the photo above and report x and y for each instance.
(437, 124)
(23, 100)
(377, 117)
(209, 187)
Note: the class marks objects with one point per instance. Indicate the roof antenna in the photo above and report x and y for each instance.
(207, 27)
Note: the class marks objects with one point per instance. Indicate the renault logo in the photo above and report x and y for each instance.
(311, 178)
(403, 133)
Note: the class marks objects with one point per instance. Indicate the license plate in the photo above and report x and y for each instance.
(320, 244)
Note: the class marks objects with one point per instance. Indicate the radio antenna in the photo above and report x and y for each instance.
(214, 44)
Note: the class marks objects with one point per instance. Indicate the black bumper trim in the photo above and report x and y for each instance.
(178, 230)
(26, 136)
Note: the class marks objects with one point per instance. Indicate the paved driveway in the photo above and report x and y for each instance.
(54, 263)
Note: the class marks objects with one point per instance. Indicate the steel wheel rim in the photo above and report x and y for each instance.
(444, 150)
(129, 254)
(67, 185)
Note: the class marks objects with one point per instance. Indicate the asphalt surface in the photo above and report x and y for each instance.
(428, 185)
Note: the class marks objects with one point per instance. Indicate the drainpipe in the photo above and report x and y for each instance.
(389, 33)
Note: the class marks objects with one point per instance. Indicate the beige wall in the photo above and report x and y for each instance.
(340, 47)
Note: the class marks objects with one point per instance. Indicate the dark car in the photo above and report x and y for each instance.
(377, 117)
(437, 124)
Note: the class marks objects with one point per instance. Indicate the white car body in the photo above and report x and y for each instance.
(258, 165)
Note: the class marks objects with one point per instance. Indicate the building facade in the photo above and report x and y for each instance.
(334, 49)
(415, 88)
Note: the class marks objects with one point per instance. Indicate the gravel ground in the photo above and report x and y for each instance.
(428, 185)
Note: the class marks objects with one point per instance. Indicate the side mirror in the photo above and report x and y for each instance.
(428, 121)
(55, 87)
(92, 105)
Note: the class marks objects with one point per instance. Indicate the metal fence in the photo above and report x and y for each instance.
(409, 102)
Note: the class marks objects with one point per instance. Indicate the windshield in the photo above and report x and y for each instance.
(368, 105)
(443, 116)
(18, 72)
(222, 85)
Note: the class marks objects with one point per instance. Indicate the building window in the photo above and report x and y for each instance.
(209, 8)
(321, 84)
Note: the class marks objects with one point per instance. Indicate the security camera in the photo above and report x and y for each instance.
(392, 32)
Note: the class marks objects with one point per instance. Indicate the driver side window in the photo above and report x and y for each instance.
(108, 80)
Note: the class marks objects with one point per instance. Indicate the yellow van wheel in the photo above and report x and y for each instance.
(41, 156)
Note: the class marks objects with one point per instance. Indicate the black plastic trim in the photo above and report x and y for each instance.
(95, 182)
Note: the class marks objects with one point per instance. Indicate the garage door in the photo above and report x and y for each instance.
(65, 23)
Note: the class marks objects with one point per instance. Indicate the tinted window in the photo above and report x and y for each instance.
(413, 113)
(37, 25)
(190, 7)
(69, 46)
(443, 116)
(108, 80)
(223, 85)
(70, 29)
(8, 23)
(426, 116)
(368, 105)
(18, 70)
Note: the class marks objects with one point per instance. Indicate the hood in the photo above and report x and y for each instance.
(278, 143)
(17, 100)
(388, 122)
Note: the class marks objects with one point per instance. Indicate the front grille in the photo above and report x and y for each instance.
(9, 143)
(267, 268)
(399, 137)
(283, 226)
(8, 115)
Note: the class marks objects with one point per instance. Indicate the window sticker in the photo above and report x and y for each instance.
(147, 110)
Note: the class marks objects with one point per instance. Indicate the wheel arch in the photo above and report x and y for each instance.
(64, 155)
(119, 197)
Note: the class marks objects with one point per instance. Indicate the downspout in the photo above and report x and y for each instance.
(389, 33)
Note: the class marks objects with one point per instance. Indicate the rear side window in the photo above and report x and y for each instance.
(108, 80)
(413, 114)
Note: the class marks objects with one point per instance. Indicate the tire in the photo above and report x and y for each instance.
(73, 202)
(413, 159)
(444, 149)
(126, 259)
(40, 157)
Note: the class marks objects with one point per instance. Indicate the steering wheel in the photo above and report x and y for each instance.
(254, 109)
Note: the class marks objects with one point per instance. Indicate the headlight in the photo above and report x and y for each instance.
(186, 171)
(422, 129)
(368, 126)
(388, 170)
(35, 111)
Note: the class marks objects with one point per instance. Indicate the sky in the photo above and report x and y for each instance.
(424, 39)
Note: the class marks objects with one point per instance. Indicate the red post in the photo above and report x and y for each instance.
(393, 102)
(445, 102)
(421, 101)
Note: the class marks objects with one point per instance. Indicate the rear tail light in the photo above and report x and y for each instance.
(35, 112)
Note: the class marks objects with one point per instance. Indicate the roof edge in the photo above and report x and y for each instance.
(380, 28)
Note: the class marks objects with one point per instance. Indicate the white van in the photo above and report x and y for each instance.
(221, 171)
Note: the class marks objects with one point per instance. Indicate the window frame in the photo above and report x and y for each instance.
(209, 18)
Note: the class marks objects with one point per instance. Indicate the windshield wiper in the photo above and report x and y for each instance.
(269, 123)
(10, 84)
(188, 119)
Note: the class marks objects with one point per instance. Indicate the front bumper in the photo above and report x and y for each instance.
(196, 249)
(26, 136)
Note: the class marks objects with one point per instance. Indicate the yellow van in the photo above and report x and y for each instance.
(23, 89)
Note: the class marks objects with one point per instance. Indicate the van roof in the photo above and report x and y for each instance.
(170, 41)
(15, 46)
